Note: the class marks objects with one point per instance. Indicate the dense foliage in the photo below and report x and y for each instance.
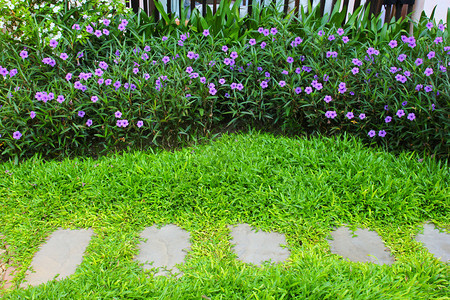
(111, 82)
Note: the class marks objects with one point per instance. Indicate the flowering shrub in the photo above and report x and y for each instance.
(114, 87)
(18, 17)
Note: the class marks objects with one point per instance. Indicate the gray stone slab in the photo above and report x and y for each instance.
(437, 243)
(164, 248)
(365, 246)
(257, 247)
(60, 255)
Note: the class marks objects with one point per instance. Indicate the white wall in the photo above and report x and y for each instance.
(428, 5)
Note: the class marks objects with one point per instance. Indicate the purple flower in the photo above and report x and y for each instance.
(165, 59)
(108, 81)
(89, 29)
(428, 88)
(441, 27)
(98, 72)
(428, 71)
(330, 114)
(224, 48)
(298, 90)
(431, 54)
(320, 33)
(12, 73)
(331, 37)
(24, 54)
(285, 72)
(101, 81)
(433, 106)
(429, 25)
(164, 38)
(206, 32)
(290, 60)
(362, 116)
(342, 88)
(233, 85)
(382, 133)
(17, 135)
(89, 123)
(393, 70)
(400, 113)
(203, 79)
(401, 78)
(222, 81)
(233, 55)
(388, 119)
(103, 65)
(188, 95)
(121, 27)
(266, 32)
(419, 87)
(371, 51)
(81, 113)
(212, 91)
(393, 43)
(53, 43)
(190, 55)
(411, 116)
(357, 62)
(404, 103)
(76, 27)
(32, 114)
(106, 22)
(282, 83)
(117, 114)
(308, 90)
(94, 99)
(418, 61)
(327, 99)
(263, 84)
(98, 33)
(60, 99)
(340, 31)
(345, 39)
(355, 70)
(349, 115)
(372, 133)
(263, 45)
(401, 57)
(117, 85)
(273, 31)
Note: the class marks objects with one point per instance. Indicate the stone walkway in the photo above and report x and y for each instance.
(162, 249)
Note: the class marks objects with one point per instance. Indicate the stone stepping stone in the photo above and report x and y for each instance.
(60, 255)
(437, 243)
(257, 247)
(367, 246)
(164, 248)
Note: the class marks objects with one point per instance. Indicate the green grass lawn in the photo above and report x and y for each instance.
(300, 187)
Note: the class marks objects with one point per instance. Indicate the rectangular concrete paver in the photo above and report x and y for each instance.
(258, 247)
(61, 254)
(164, 248)
(367, 246)
(437, 243)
